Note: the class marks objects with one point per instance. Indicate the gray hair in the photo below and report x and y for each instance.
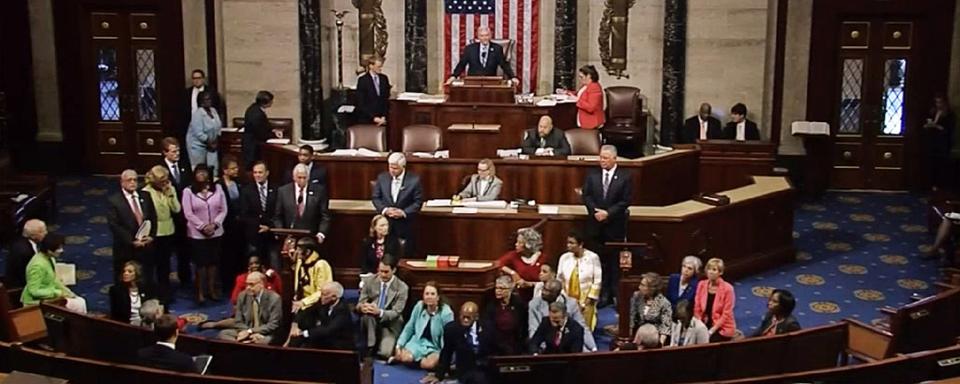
(33, 227)
(505, 281)
(300, 168)
(557, 306)
(128, 173)
(531, 239)
(483, 28)
(335, 286)
(149, 312)
(694, 261)
(609, 148)
(649, 336)
(398, 159)
(256, 275)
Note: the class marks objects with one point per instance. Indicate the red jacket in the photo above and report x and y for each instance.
(590, 107)
(722, 312)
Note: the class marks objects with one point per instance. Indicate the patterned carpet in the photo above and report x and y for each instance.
(857, 252)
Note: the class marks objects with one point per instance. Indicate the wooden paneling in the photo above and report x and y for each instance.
(727, 164)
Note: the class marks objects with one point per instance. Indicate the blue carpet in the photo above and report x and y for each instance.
(856, 252)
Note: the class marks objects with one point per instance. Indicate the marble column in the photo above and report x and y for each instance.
(311, 90)
(415, 44)
(674, 62)
(565, 45)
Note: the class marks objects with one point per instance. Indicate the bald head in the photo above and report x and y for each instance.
(255, 282)
(545, 126)
(468, 313)
(551, 290)
(705, 111)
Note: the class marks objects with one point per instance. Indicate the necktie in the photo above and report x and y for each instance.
(606, 183)
(703, 130)
(376, 82)
(300, 204)
(556, 339)
(256, 313)
(543, 143)
(483, 56)
(473, 339)
(263, 197)
(135, 206)
(395, 188)
(573, 287)
(383, 296)
(175, 171)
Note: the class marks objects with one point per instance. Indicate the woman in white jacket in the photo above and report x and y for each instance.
(580, 271)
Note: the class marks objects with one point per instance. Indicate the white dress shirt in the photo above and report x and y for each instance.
(395, 186)
(193, 97)
(703, 128)
(742, 130)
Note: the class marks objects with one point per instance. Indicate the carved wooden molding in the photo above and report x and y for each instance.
(613, 36)
(373, 29)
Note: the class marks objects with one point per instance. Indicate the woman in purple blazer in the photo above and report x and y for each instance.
(205, 208)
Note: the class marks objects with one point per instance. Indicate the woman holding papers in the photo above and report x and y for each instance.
(205, 208)
(42, 280)
(484, 185)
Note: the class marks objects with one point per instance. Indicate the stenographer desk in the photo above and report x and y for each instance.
(753, 233)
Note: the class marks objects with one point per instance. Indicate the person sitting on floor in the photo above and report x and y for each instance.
(507, 314)
(556, 333)
(253, 265)
(256, 316)
(328, 325)
(687, 330)
(381, 304)
(422, 337)
(539, 309)
(309, 274)
(779, 317)
(164, 354)
(128, 297)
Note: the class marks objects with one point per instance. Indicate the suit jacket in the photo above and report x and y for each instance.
(556, 139)
(120, 300)
(368, 254)
(396, 301)
(186, 173)
(571, 339)
(316, 213)
(233, 206)
(457, 341)
(252, 213)
(673, 290)
(491, 192)
(590, 113)
(619, 195)
(42, 281)
(270, 312)
(789, 324)
(163, 357)
(508, 344)
(722, 311)
(16, 270)
(256, 131)
(369, 103)
(409, 198)
(750, 131)
(691, 130)
(318, 175)
(540, 309)
(328, 327)
(188, 107)
(495, 58)
(123, 224)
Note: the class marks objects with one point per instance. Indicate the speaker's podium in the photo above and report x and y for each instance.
(482, 89)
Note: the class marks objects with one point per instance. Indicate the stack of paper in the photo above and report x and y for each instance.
(439, 203)
(504, 153)
(548, 209)
(546, 102)
(278, 141)
(432, 99)
(67, 273)
(465, 210)
(809, 128)
(362, 152)
(495, 204)
(409, 96)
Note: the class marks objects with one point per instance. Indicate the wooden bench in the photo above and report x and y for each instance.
(87, 371)
(814, 348)
(19, 324)
(930, 323)
(72, 333)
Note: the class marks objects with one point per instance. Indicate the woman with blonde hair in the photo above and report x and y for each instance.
(166, 204)
(714, 303)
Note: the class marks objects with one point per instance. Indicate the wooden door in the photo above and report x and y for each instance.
(874, 68)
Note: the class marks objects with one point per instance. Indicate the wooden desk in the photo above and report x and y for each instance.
(468, 282)
(761, 239)
(657, 180)
(512, 118)
(726, 164)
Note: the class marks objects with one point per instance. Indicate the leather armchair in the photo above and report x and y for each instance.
(583, 141)
(422, 138)
(624, 126)
(369, 136)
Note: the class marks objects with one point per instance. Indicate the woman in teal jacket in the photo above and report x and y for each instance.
(422, 337)
(42, 280)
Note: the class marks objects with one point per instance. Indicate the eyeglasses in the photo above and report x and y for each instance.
(198, 78)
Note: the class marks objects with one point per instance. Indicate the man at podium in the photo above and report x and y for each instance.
(483, 58)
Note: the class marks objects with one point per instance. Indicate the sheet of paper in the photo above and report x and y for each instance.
(548, 209)
(368, 153)
(144, 230)
(494, 204)
(346, 109)
(466, 210)
(409, 96)
(546, 103)
(439, 203)
(278, 141)
(67, 273)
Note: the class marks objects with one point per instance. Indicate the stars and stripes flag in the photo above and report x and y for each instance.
(518, 20)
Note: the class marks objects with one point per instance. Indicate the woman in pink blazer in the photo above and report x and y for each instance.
(589, 99)
(205, 208)
(714, 303)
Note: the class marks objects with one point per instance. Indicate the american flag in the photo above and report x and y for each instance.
(518, 20)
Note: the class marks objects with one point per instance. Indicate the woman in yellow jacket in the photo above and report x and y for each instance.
(310, 273)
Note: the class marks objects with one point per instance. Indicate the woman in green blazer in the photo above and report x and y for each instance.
(42, 280)
(422, 337)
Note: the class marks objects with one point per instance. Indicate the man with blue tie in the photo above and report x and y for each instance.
(381, 304)
(607, 193)
(398, 196)
(483, 58)
(472, 343)
(373, 94)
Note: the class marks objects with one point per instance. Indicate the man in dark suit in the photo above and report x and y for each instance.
(164, 354)
(21, 251)
(556, 334)
(740, 128)
(703, 126)
(256, 128)
(545, 140)
(257, 203)
(181, 176)
(607, 193)
(129, 209)
(301, 205)
(316, 174)
(472, 342)
(398, 196)
(483, 58)
(198, 80)
(373, 94)
(325, 326)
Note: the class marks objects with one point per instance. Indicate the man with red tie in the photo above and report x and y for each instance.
(129, 210)
(302, 205)
(703, 126)
(556, 334)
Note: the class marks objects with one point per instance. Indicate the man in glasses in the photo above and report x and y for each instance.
(198, 83)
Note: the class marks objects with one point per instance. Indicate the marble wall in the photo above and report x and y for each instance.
(194, 38)
(795, 74)
(45, 88)
(393, 65)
